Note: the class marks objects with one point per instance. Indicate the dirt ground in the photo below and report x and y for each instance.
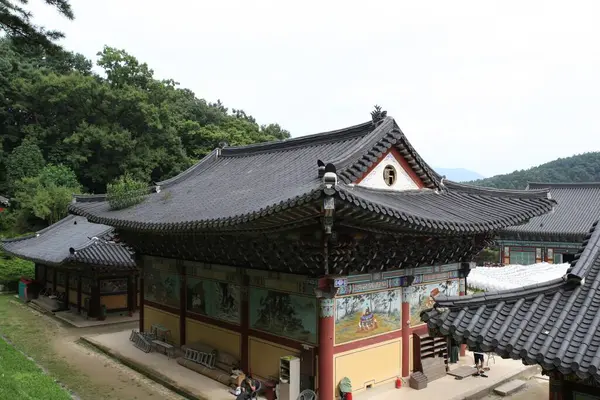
(56, 347)
(119, 381)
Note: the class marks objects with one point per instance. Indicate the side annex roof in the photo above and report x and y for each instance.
(72, 239)
(578, 207)
(555, 324)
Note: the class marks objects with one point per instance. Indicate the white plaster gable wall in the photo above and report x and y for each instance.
(375, 179)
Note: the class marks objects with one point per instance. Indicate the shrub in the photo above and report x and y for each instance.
(125, 192)
(12, 269)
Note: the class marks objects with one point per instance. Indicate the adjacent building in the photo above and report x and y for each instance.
(81, 265)
(554, 237)
(325, 247)
(555, 324)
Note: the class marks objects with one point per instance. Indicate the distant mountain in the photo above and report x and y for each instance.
(459, 174)
(579, 168)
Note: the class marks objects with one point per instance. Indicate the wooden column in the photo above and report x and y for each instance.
(136, 291)
(79, 294)
(182, 300)
(406, 330)
(54, 273)
(95, 303)
(142, 302)
(326, 335)
(245, 322)
(462, 291)
(130, 295)
(67, 290)
(556, 387)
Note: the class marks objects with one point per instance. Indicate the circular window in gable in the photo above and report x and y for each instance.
(389, 175)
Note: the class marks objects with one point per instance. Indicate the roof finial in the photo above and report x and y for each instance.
(377, 115)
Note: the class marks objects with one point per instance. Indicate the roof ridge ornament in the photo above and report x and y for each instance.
(442, 181)
(321, 168)
(329, 177)
(220, 147)
(377, 115)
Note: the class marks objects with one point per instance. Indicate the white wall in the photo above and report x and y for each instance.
(375, 179)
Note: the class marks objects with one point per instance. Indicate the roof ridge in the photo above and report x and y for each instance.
(18, 238)
(305, 140)
(550, 185)
(441, 301)
(586, 256)
(63, 221)
(536, 193)
(94, 239)
(177, 178)
(382, 128)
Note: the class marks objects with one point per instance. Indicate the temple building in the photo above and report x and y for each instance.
(324, 247)
(555, 324)
(553, 237)
(80, 267)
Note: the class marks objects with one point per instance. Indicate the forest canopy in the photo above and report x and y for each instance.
(579, 168)
(97, 122)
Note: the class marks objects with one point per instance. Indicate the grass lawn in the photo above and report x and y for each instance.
(35, 336)
(22, 379)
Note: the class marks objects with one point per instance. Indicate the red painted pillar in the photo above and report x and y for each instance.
(555, 387)
(406, 330)
(142, 302)
(182, 302)
(245, 320)
(326, 335)
(462, 291)
(79, 294)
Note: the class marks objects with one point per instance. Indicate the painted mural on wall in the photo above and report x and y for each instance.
(161, 282)
(284, 314)
(220, 300)
(113, 285)
(364, 315)
(423, 294)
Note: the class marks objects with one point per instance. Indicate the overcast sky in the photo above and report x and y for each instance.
(491, 86)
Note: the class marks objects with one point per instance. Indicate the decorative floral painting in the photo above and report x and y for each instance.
(220, 300)
(422, 297)
(113, 285)
(364, 315)
(161, 282)
(284, 314)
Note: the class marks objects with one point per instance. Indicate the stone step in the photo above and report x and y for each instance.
(509, 387)
(37, 308)
(542, 377)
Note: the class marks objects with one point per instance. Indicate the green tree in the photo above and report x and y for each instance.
(124, 121)
(16, 23)
(24, 161)
(579, 168)
(59, 175)
(125, 192)
(47, 195)
(12, 269)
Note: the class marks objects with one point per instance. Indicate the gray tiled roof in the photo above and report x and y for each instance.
(4, 200)
(555, 324)
(234, 187)
(53, 245)
(453, 210)
(578, 207)
(104, 253)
